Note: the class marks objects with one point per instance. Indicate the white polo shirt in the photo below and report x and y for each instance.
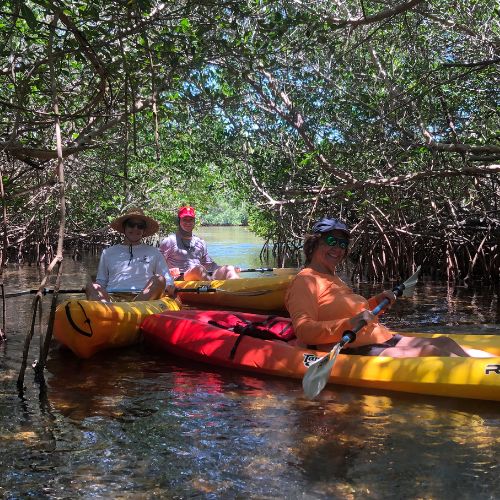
(129, 267)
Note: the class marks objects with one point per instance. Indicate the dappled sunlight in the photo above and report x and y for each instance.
(100, 386)
(352, 435)
(8, 375)
(87, 327)
(26, 437)
(160, 423)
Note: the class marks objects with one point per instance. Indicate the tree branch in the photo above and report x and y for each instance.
(380, 16)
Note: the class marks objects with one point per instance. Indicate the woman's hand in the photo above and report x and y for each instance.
(365, 317)
(386, 294)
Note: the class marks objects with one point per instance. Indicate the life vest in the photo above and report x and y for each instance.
(272, 328)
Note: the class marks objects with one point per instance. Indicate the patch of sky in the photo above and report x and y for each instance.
(330, 134)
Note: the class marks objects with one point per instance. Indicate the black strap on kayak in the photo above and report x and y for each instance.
(230, 329)
(235, 346)
(256, 329)
(74, 325)
(263, 329)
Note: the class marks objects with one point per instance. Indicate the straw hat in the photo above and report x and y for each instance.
(135, 213)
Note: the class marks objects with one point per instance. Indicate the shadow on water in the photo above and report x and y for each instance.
(133, 423)
(150, 424)
(349, 441)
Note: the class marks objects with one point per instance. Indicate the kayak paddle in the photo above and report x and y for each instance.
(199, 289)
(276, 270)
(44, 292)
(209, 289)
(318, 373)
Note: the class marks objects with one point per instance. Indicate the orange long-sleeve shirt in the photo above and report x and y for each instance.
(321, 305)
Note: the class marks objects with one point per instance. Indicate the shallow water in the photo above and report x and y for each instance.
(139, 424)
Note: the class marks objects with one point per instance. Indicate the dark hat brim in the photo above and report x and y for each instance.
(152, 226)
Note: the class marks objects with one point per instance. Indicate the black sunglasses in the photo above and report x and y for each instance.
(138, 225)
(332, 241)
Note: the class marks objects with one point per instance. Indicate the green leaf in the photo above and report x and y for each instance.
(29, 16)
(185, 25)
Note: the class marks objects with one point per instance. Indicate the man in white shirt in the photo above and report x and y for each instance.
(187, 255)
(132, 267)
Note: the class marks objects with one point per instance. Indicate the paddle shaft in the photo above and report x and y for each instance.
(259, 270)
(262, 269)
(199, 289)
(44, 291)
(350, 335)
(398, 291)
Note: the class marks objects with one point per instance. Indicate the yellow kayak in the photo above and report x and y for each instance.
(236, 340)
(264, 294)
(87, 326)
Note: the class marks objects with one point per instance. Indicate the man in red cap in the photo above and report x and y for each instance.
(187, 255)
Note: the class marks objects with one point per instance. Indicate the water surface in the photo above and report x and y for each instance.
(139, 424)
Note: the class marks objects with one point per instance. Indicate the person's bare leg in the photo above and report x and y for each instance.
(439, 346)
(443, 346)
(94, 291)
(225, 273)
(196, 273)
(154, 288)
(413, 352)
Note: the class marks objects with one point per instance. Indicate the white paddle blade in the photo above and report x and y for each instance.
(317, 374)
(410, 283)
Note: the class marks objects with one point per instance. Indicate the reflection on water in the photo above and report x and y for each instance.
(138, 424)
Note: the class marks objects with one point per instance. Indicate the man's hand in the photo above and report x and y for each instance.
(175, 272)
(170, 290)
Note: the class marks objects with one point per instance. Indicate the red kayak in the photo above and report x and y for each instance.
(223, 338)
(266, 344)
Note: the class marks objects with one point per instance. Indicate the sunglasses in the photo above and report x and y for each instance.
(332, 241)
(138, 225)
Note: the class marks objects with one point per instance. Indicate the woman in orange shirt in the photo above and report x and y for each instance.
(322, 307)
